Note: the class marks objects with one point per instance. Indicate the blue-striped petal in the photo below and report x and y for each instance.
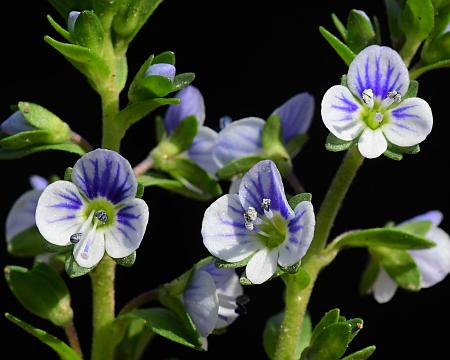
(263, 181)
(125, 236)
(90, 249)
(224, 232)
(241, 138)
(201, 302)
(227, 294)
(38, 182)
(384, 287)
(300, 235)
(105, 173)
(22, 214)
(262, 266)
(192, 104)
(220, 276)
(372, 143)
(201, 149)
(341, 113)
(296, 115)
(410, 122)
(59, 212)
(433, 263)
(379, 68)
(15, 124)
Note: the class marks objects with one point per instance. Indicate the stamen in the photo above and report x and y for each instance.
(367, 96)
(379, 117)
(266, 204)
(250, 216)
(241, 301)
(395, 95)
(101, 216)
(75, 238)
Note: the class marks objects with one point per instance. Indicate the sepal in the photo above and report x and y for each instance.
(335, 144)
(41, 291)
(88, 31)
(73, 269)
(360, 31)
(238, 166)
(341, 49)
(126, 261)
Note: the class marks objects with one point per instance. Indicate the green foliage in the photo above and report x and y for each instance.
(341, 49)
(272, 329)
(27, 243)
(417, 19)
(126, 261)
(221, 264)
(238, 166)
(62, 349)
(297, 199)
(335, 144)
(360, 31)
(369, 275)
(72, 267)
(413, 89)
(136, 338)
(361, 354)
(41, 291)
(88, 31)
(393, 238)
(395, 152)
(184, 134)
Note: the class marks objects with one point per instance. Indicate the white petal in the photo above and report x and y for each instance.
(224, 233)
(384, 287)
(235, 184)
(301, 233)
(380, 69)
(90, 250)
(341, 113)
(201, 302)
(201, 150)
(410, 122)
(434, 263)
(59, 212)
(239, 139)
(262, 266)
(372, 143)
(227, 295)
(22, 214)
(125, 236)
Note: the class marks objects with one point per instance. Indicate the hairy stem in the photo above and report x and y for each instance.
(72, 336)
(103, 308)
(295, 183)
(143, 166)
(144, 298)
(79, 140)
(297, 298)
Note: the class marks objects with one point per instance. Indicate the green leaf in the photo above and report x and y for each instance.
(335, 144)
(140, 191)
(330, 344)
(7, 154)
(72, 267)
(238, 166)
(377, 26)
(81, 55)
(400, 266)
(27, 243)
(160, 129)
(183, 135)
(339, 26)
(392, 238)
(59, 29)
(182, 80)
(271, 133)
(395, 152)
(194, 177)
(139, 75)
(417, 228)
(361, 354)
(88, 31)
(126, 261)
(297, 199)
(166, 324)
(369, 276)
(155, 179)
(68, 174)
(413, 89)
(394, 11)
(355, 325)
(135, 340)
(166, 57)
(417, 19)
(360, 32)
(296, 143)
(344, 80)
(436, 49)
(153, 86)
(271, 332)
(331, 317)
(137, 111)
(62, 349)
(26, 138)
(341, 49)
(41, 291)
(415, 73)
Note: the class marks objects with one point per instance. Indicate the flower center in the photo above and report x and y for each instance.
(104, 211)
(270, 227)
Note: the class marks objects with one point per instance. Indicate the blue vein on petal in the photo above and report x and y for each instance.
(294, 225)
(72, 203)
(399, 113)
(63, 218)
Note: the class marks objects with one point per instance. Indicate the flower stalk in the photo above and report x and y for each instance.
(316, 258)
(72, 336)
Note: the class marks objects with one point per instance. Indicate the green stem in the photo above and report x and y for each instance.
(103, 308)
(112, 132)
(296, 297)
(144, 298)
(408, 51)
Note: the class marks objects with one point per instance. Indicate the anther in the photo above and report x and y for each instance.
(395, 95)
(241, 301)
(367, 96)
(101, 216)
(75, 238)
(265, 204)
(250, 215)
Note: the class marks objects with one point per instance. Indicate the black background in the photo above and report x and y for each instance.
(249, 57)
